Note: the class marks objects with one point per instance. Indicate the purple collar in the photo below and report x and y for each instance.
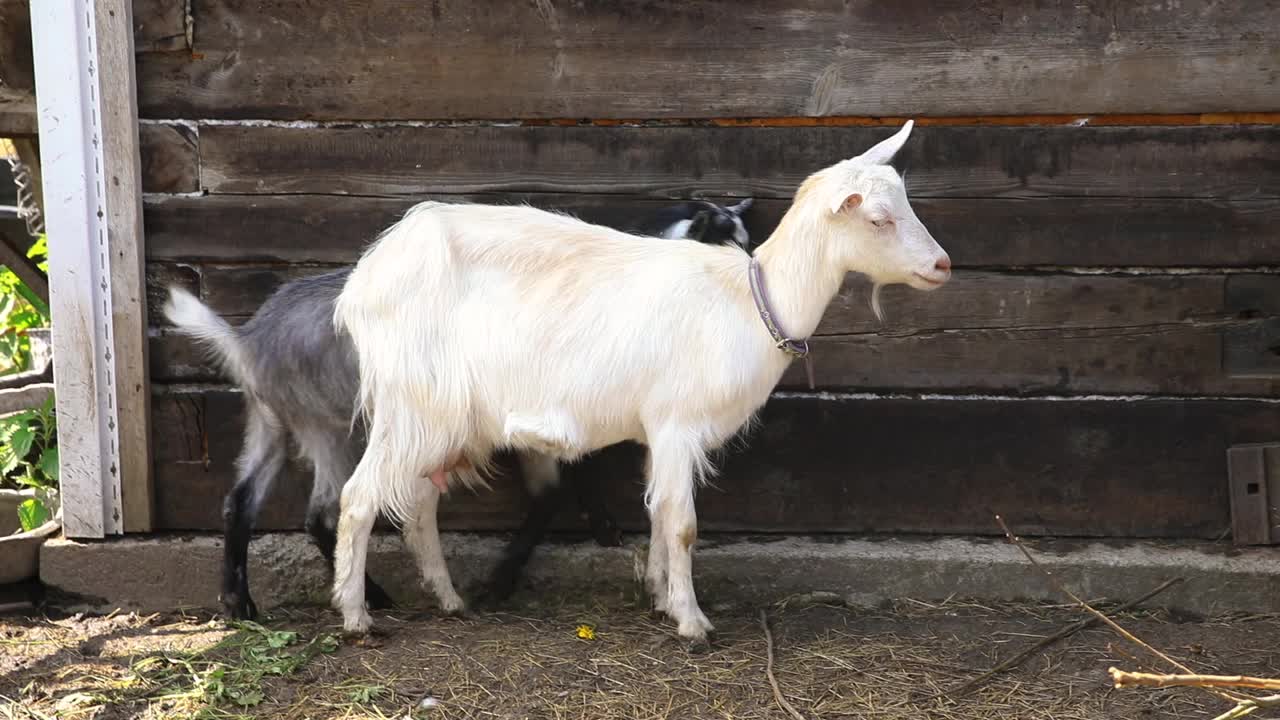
(791, 346)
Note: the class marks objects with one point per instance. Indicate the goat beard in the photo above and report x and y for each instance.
(875, 301)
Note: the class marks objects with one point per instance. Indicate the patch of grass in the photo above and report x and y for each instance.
(220, 682)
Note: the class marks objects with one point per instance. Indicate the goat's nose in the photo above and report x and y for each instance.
(943, 264)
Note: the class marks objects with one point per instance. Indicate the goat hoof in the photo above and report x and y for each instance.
(462, 613)
(699, 645)
(365, 639)
(237, 608)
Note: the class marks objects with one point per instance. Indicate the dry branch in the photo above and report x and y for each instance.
(1065, 632)
(1123, 678)
(768, 669)
(1110, 623)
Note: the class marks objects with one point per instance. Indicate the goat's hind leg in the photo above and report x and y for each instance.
(586, 477)
(422, 535)
(655, 574)
(259, 464)
(330, 455)
(361, 501)
(547, 497)
(671, 485)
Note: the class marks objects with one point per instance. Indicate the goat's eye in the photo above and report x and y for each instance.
(882, 222)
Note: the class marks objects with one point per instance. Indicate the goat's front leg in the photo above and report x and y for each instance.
(674, 520)
(422, 535)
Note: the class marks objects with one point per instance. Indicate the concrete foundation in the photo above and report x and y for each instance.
(167, 572)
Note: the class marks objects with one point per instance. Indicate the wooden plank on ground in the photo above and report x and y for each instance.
(170, 159)
(1052, 467)
(977, 232)
(1231, 162)
(704, 58)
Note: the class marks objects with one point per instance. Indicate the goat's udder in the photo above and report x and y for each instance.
(440, 478)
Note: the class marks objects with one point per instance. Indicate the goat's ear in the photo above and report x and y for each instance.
(882, 152)
(698, 226)
(741, 207)
(847, 203)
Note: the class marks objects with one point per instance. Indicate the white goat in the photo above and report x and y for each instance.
(480, 327)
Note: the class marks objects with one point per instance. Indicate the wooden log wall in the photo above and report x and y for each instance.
(1105, 177)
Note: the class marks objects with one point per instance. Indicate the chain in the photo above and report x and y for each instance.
(28, 210)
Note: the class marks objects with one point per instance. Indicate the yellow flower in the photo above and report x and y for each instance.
(586, 632)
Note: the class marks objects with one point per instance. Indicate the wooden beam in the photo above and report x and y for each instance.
(14, 400)
(84, 60)
(170, 159)
(161, 25)
(1219, 162)
(14, 257)
(17, 76)
(491, 59)
(985, 332)
(123, 179)
(977, 232)
(1078, 468)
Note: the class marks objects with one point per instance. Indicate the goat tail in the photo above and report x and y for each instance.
(195, 320)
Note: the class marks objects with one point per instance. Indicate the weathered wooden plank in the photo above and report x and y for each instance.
(159, 277)
(122, 179)
(980, 300)
(1179, 359)
(988, 332)
(1055, 467)
(238, 291)
(977, 232)
(17, 71)
(160, 25)
(170, 158)
(1176, 359)
(634, 59)
(1199, 161)
(977, 299)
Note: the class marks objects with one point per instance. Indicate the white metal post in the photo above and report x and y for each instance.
(88, 137)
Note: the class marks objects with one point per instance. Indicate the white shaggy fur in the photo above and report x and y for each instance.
(482, 327)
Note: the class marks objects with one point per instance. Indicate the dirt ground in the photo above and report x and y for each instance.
(569, 658)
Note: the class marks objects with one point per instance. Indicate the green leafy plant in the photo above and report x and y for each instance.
(222, 681)
(28, 439)
(20, 310)
(29, 459)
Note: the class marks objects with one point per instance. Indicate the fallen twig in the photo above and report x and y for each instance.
(1109, 622)
(1123, 678)
(768, 669)
(1247, 707)
(1065, 632)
